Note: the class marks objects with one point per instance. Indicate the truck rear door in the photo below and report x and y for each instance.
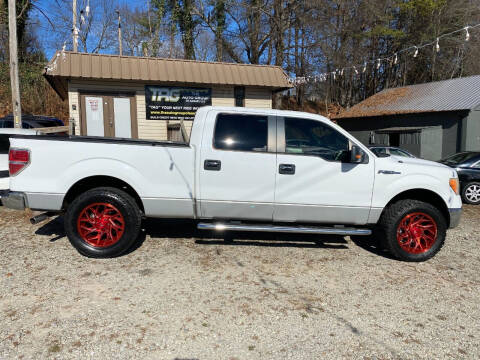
(237, 168)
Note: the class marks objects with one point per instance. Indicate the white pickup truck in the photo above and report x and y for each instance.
(243, 170)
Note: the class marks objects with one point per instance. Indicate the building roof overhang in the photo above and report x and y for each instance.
(84, 66)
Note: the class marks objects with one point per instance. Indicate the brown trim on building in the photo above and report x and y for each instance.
(133, 116)
(83, 115)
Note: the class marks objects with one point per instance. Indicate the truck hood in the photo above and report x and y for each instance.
(416, 161)
(415, 166)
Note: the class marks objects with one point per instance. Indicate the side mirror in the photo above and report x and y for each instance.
(357, 155)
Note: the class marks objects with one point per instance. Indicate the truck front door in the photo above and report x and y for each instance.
(314, 180)
(237, 168)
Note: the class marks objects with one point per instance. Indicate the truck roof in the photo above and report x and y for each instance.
(247, 110)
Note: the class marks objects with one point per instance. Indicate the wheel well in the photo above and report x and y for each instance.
(100, 181)
(425, 196)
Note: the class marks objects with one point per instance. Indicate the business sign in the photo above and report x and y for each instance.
(175, 103)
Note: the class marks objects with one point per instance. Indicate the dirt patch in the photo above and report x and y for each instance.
(188, 295)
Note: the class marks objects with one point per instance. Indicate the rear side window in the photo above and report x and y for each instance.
(4, 144)
(241, 132)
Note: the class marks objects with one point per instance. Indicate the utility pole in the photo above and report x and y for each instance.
(74, 26)
(14, 81)
(120, 50)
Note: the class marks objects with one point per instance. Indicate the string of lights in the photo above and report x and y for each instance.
(377, 62)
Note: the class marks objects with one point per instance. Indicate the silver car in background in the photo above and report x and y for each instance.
(381, 151)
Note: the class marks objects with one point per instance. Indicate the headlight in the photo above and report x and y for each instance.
(455, 185)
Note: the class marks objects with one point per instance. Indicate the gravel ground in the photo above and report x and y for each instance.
(185, 295)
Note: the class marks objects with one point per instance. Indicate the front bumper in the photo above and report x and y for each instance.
(13, 200)
(455, 215)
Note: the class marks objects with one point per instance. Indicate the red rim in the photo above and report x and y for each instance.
(100, 224)
(417, 232)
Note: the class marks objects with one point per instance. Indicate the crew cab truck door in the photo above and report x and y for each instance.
(237, 166)
(315, 180)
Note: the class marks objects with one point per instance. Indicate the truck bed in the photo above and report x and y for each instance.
(99, 139)
(160, 172)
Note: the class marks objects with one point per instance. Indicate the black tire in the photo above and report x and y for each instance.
(474, 185)
(122, 202)
(389, 225)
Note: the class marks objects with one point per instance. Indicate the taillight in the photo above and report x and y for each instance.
(18, 159)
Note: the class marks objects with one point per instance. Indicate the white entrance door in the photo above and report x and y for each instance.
(94, 115)
(122, 119)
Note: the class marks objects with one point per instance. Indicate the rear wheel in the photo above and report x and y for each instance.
(103, 222)
(471, 193)
(412, 230)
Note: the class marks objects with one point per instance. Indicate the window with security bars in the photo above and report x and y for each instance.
(174, 133)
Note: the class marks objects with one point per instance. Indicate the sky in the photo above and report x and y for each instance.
(48, 36)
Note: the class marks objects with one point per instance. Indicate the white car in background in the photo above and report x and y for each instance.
(5, 134)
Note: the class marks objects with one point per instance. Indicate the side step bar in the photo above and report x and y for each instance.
(284, 229)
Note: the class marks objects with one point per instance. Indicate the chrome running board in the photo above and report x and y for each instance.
(284, 229)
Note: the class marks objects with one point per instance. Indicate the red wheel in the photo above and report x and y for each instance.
(417, 232)
(103, 222)
(100, 225)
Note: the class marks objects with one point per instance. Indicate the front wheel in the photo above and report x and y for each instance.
(412, 230)
(471, 193)
(103, 222)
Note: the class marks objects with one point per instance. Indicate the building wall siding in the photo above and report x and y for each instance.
(258, 98)
(472, 131)
(157, 129)
(223, 96)
(431, 143)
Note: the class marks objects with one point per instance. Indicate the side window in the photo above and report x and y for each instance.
(476, 165)
(310, 137)
(241, 132)
(379, 151)
(398, 152)
(4, 144)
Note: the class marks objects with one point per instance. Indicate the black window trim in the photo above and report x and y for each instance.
(271, 133)
(281, 145)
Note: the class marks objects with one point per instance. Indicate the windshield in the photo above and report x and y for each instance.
(460, 158)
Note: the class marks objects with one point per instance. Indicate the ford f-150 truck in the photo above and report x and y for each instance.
(243, 170)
